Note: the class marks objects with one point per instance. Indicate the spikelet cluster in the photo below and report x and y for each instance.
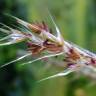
(39, 39)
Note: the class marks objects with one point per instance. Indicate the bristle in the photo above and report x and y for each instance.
(5, 31)
(5, 38)
(64, 73)
(6, 26)
(40, 58)
(59, 36)
(18, 59)
(18, 20)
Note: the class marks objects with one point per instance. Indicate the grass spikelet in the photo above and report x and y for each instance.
(39, 39)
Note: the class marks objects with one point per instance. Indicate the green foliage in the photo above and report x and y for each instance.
(76, 20)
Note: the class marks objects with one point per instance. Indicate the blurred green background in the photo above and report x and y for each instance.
(77, 22)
